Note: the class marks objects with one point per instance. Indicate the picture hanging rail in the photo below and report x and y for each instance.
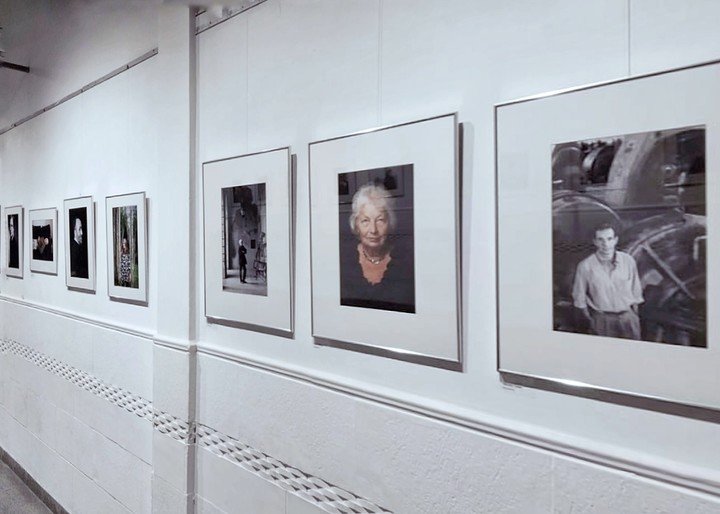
(384, 209)
(608, 264)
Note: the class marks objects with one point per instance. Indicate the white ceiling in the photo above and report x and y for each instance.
(21, 22)
(48, 36)
(44, 35)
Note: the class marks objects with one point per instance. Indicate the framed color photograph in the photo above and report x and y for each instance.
(80, 243)
(385, 242)
(247, 208)
(13, 241)
(607, 261)
(43, 240)
(126, 223)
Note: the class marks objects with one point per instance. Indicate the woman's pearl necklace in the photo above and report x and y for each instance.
(376, 260)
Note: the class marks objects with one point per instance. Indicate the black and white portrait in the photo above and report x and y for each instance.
(78, 243)
(630, 237)
(42, 239)
(79, 217)
(244, 218)
(13, 242)
(377, 261)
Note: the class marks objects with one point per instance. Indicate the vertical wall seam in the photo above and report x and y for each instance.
(629, 37)
(379, 62)
(552, 483)
(191, 472)
(193, 176)
(247, 84)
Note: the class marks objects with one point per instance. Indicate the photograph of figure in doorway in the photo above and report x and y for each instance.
(42, 239)
(78, 242)
(377, 261)
(125, 246)
(630, 236)
(13, 242)
(244, 218)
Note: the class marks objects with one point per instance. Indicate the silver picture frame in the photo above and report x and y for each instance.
(80, 279)
(127, 277)
(269, 309)
(629, 381)
(372, 149)
(37, 246)
(17, 212)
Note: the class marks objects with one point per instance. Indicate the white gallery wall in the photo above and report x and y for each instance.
(99, 399)
(74, 383)
(407, 437)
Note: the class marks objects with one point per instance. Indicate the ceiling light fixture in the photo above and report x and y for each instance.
(13, 66)
(6, 64)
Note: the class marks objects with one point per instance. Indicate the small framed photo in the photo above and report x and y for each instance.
(126, 222)
(13, 229)
(80, 243)
(606, 241)
(384, 206)
(43, 240)
(247, 209)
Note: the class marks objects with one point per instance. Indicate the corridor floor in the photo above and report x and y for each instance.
(16, 497)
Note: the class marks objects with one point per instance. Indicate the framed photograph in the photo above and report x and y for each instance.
(385, 242)
(607, 266)
(126, 222)
(13, 225)
(43, 240)
(247, 209)
(80, 243)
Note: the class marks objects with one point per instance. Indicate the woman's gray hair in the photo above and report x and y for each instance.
(376, 195)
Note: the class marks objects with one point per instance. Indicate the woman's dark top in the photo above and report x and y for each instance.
(396, 290)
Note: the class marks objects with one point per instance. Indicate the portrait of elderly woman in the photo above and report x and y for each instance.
(377, 268)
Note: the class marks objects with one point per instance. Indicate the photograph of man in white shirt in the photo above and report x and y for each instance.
(607, 288)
